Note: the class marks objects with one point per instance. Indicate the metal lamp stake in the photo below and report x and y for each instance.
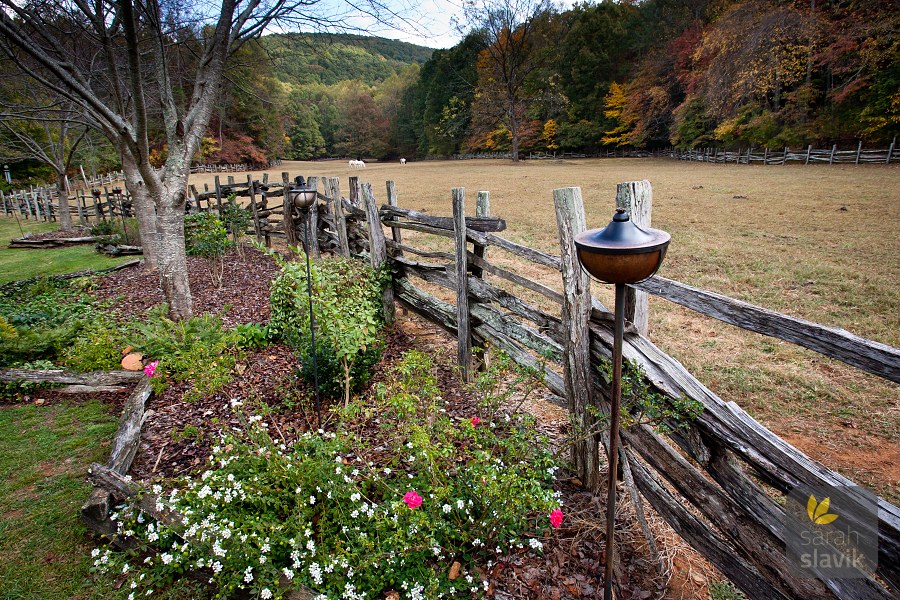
(304, 198)
(620, 253)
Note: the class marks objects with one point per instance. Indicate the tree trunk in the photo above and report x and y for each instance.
(171, 258)
(514, 136)
(65, 217)
(144, 211)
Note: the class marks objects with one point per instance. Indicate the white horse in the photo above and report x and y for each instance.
(402, 161)
(357, 164)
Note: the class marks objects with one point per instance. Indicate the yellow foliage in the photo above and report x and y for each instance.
(549, 135)
(615, 102)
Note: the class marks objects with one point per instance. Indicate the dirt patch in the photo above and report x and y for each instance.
(62, 234)
(881, 457)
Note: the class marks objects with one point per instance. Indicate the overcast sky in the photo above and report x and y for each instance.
(423, 22)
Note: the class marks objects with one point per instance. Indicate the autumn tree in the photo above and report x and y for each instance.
(115, 61)
(515, 50)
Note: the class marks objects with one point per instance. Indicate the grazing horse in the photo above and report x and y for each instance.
(402, 161)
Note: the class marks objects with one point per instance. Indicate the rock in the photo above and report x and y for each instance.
(454, 570)
(40, 402)
(132, 362)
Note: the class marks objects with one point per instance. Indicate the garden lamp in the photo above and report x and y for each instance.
(619, 253)
(303, 198)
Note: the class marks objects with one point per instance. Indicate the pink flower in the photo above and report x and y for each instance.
(475, 421)
(150, 369)
(556, 518)
(412, 499)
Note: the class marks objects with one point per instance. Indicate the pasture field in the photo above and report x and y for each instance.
(816, 242)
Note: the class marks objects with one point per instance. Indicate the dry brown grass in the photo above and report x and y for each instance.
(818, 242)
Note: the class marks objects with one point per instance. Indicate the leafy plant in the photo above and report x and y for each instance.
(329, 369)
(236, 219)
(253, 335)
(207, 237)
(198, 350)
(642, 405)
(330, 514)
(97, 347)
(346, 308)
(40, 319)
(725, 590)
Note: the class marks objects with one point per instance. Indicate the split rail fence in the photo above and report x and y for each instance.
(807, 156)
(719, 481)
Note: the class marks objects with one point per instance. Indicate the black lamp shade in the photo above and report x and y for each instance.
(622, 252)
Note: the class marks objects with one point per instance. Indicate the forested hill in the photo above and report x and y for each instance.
(304, 58)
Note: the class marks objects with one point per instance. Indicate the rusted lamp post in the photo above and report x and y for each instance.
(619, 253)
(303, 198)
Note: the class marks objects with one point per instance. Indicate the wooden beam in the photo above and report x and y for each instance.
(867, 355)
(636, 197)
(378, 249)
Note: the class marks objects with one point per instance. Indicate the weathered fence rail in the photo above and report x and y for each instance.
(719, 481)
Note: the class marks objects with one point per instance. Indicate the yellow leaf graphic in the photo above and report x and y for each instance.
(825, 519)
(811, 507)
(823, 508)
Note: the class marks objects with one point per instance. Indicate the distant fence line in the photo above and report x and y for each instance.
(806, 156)
(232, 168)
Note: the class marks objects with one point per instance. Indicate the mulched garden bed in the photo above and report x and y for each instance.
(177, 436)
(61, 234)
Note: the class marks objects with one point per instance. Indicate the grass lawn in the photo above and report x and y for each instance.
(19, 263)
(44, 454)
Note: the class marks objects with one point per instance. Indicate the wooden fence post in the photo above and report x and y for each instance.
(858, 151)
(482, 209)
(833, 150)
(340, 222)
(290, 232)
(219, 196)
(312, 218)
(392, 201)
(257, 227)
(808, 153)
(891, 150)
(637, 198)
(378, 248)
(576, 310)
(463, 327)
(354, 190)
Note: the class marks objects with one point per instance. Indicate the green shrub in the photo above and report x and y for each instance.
(207, 237)
(97, 346)
(198, 350)
(346, 306)
(41, 318)
(111, 231)
(236, 219)
(253, 335)
(331, 373)
(327, 514)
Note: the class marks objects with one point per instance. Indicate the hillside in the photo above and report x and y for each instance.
(303, 58)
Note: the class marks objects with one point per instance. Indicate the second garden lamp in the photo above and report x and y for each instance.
(619, 253)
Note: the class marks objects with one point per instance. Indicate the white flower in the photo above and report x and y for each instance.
(262, 560)
(312, 500)
(95, 552)
(166, 558)
(288, 573)
(265, 548)
(265, 594)
(354, 496)
(248, 575)
(460, 504)
(535, 544)
(447, 508)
